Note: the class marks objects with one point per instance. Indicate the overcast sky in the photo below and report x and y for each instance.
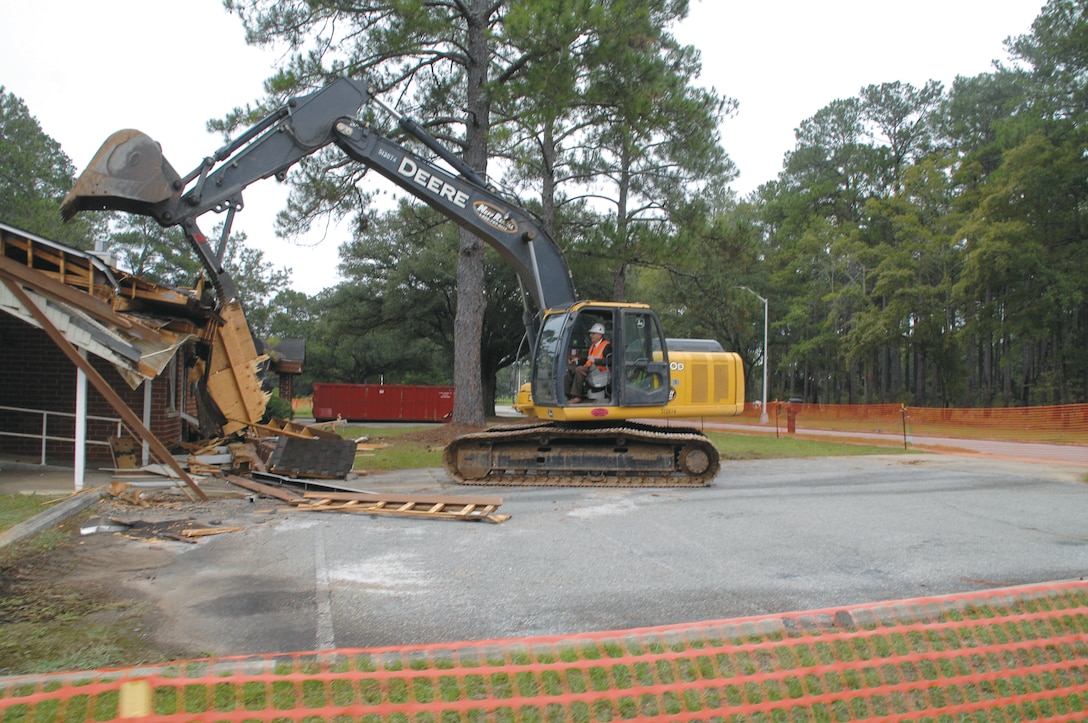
(86, 68)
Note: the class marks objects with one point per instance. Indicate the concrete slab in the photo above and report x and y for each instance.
(33, 479)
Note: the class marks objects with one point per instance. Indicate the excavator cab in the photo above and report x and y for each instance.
(635, 371)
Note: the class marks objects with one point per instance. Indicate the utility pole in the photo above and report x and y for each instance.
(763, 416)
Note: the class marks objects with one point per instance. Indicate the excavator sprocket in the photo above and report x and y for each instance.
(572, 455)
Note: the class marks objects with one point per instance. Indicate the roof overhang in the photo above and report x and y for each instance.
(94, 307)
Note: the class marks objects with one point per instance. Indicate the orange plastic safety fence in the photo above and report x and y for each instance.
(1066, 423)
(1003, 655)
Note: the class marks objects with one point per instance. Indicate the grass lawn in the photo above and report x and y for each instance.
(413, 447)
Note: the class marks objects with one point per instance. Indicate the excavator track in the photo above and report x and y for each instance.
(574, 455)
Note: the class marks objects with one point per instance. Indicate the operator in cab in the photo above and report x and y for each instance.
(595, 358)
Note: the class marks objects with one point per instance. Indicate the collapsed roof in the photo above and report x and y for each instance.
(134, 324)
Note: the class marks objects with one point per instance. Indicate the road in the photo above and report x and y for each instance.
(766, 537)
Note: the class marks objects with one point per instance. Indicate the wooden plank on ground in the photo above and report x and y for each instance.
(206, 531)
(395, 497)
(278, 492)
(431, 506)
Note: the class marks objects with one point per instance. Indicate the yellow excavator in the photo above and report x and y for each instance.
(620, 432)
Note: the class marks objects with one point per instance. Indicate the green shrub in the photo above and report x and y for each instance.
(277, 408)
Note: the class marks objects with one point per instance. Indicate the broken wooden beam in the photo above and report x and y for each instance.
(279, 493)
(206, 531)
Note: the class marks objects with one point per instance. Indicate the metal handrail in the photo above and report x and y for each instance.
(44, 436)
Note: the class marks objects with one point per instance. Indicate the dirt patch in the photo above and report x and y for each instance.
(441, 435)
(62, 606)
(60, 610)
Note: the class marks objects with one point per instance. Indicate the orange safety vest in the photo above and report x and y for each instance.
(598, 351)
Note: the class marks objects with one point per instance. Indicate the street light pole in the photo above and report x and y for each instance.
(763, 416)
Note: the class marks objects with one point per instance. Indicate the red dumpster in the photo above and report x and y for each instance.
(382, 402)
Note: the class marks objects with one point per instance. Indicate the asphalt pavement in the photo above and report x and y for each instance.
(766, 537)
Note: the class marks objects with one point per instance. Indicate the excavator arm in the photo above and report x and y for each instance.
(129, 173)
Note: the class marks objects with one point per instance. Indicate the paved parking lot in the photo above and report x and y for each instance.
(767, 537)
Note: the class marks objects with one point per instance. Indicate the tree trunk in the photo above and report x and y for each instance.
(619, 278)
(547, 178)
(468, 402)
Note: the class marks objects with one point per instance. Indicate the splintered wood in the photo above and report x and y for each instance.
(447, 508)
(287, 428)
(232, 371)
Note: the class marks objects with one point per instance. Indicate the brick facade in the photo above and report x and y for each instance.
(38, 376)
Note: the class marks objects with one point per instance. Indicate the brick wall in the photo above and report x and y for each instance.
(37, 375)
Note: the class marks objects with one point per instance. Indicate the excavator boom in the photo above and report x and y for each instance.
(130, 174)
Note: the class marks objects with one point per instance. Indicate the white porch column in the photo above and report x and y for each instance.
(80, 461)
(146, 458)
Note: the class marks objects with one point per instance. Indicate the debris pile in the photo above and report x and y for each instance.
(182, 340)
(179, 530)
(304, 468)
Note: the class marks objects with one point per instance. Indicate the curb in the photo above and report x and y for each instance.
(58, 513)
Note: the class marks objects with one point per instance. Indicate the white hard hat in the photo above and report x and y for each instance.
(596, 329)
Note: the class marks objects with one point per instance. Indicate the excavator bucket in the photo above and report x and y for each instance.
(128, 173)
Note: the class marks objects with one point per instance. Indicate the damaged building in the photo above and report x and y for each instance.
(91, 354)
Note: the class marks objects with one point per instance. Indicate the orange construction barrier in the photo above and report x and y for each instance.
(1066, 423)
(1011, 654)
